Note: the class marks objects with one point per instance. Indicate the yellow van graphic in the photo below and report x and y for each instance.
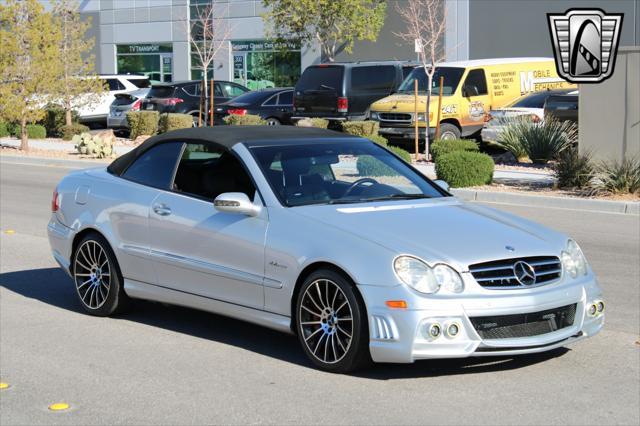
(470, 90)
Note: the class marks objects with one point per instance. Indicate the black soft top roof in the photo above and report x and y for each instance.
(228, 136)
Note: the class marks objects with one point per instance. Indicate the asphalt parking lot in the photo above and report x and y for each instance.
(169, 365)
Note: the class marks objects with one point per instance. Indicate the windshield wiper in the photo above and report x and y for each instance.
(324, 86)
(396, 197)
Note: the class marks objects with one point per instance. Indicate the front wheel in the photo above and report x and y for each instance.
(331, 323)
(96, 274)
(449, 131)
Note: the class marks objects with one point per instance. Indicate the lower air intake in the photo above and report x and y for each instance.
(524, 325)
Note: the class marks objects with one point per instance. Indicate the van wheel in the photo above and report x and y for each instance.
(449, 131)
(97, 277)
(331, 323)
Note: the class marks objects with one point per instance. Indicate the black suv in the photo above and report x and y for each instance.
(344, 91)
(184, 96)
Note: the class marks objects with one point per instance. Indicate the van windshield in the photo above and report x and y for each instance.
(451, 76)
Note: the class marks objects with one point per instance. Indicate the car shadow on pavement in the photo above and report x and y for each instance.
(52, 286)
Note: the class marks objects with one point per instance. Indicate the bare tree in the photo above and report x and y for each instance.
(209, 37)
(425, 20)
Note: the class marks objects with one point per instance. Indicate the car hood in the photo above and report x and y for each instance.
(441, 230)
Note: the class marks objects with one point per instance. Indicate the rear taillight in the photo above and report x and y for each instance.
(55, 205)
(237, 111)
(136, 105)
(170, 101)
(343, 104)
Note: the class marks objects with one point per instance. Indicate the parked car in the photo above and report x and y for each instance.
(562, 107)
(344, 91)
(121, 105)
(275, 106)
(184, 96)
(96, 113)
(531, 105)
(280, 227)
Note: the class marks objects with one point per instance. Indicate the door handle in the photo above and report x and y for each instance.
(162, 209)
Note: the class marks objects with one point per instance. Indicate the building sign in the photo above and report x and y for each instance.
(263, 45)
(238, 62)
(145, 48)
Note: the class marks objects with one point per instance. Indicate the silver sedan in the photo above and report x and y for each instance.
(327, 236)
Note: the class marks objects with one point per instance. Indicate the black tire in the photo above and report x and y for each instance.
(273, 121)
(449, 131)
(334, 298)
(97, 277)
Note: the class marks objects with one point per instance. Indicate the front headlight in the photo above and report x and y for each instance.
(374, 116)
(421, 116)
(573, 260)
(421, 277)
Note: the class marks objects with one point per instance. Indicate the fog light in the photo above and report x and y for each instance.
(434, 331)
(453, 329)
(593, 309)
(600, 306)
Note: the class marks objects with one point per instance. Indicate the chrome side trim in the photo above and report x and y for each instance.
(141, 290)
(206, 267)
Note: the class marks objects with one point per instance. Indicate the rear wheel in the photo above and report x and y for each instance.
(332, 323)
(272, 121)
(97, 277)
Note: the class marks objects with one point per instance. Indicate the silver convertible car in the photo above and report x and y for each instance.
(324, 235)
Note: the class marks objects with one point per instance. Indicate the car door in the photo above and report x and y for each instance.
(136, 188)
(285, 106)
(199, 250)
(476, 102)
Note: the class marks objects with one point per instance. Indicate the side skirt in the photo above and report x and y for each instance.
(140, 290)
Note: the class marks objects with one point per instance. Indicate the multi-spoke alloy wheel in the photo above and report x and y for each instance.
(330, 322)
(92, 274)
(326, 321)
(97, 276)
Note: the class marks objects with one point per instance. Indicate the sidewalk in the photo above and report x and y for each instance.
(55, 145)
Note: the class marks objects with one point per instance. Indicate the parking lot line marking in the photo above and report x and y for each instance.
(59, 406)
(4, 385)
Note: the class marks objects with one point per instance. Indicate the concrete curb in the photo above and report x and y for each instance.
(570, 203)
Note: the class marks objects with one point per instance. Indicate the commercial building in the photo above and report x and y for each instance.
(151, 36)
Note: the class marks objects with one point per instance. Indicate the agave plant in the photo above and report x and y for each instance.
(574, 170)
(618, 177)
(539, 141)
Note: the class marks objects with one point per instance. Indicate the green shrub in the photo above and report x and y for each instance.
(143, 123)
(4, 131)
(540, 142)
(169, 122)
(368, 165)
(617, 177)
(380, 140)
(400, 153)
(445, 146)
(34, 131)
(93, 145)
(244, 120)
(361, 128)
(574, 170)
(13, 128)
(464, 168)
(55, 119)
(68, 132)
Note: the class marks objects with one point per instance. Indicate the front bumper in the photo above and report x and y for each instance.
(401, 335)
(405, 132)
(490, 134)
(117, 122)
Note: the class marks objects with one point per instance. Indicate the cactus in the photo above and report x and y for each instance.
(93, 145)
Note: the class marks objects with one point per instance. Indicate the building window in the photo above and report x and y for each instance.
(152, 60)
(258, 64)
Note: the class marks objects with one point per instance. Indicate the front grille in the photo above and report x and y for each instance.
(524, 325)
(501, 274)
(395, 117)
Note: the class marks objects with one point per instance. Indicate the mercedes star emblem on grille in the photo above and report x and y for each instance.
(524, 273)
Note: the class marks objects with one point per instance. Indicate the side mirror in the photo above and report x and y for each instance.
(442, 184)
(236, 202)
(468, 91)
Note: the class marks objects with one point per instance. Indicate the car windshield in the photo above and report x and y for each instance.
(344, 172)
(451, 76)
